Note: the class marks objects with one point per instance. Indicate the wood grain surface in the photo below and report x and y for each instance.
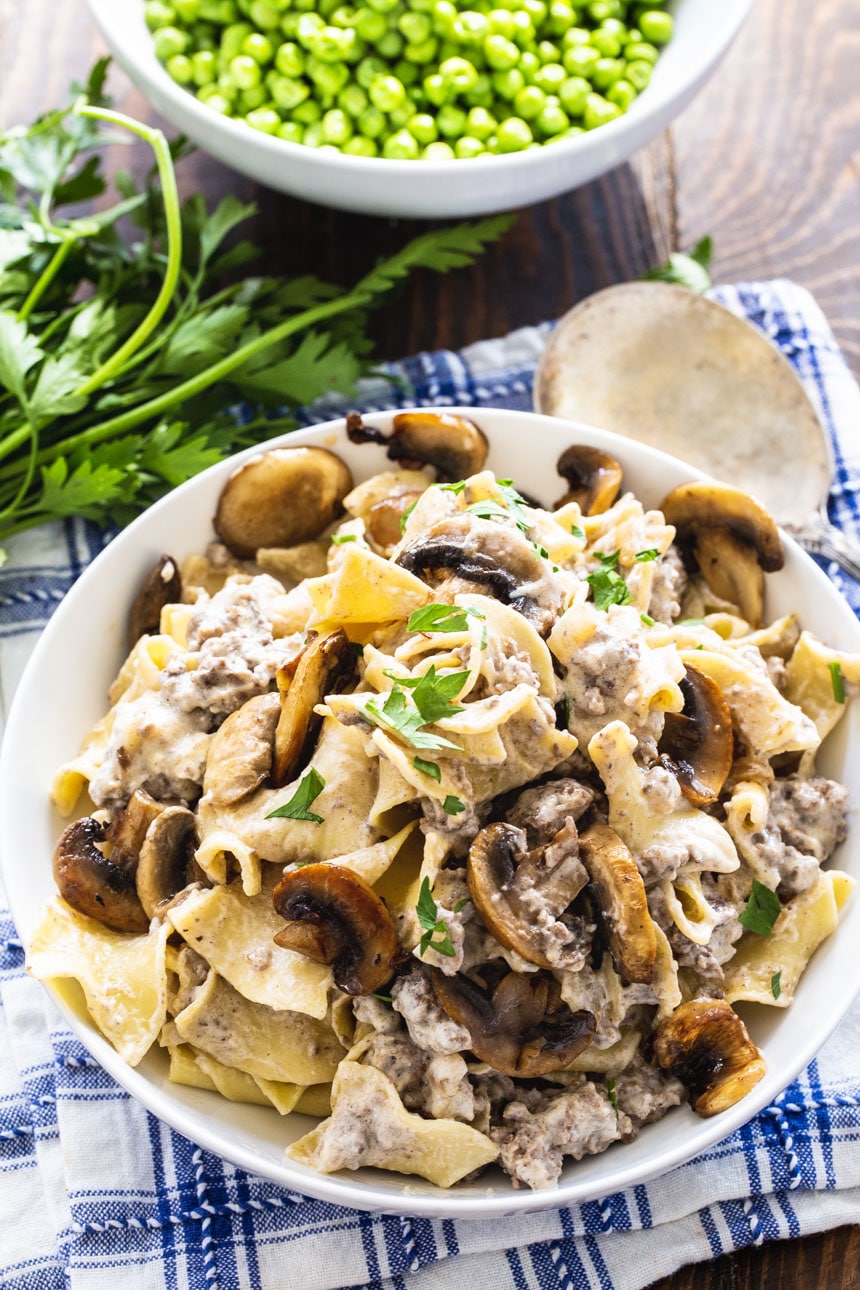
(766, 159)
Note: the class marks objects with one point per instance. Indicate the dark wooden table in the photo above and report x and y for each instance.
(766, 160)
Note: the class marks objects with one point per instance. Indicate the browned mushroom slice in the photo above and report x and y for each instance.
(334, 917)
(620, 893)
(705, 1045)
(129, 826)
(165, 857)
(520, 894)
(454, 445)
(163, 586)
(593, 478)
(385, 519)
(325, 666)
(697, 744)
(93, 884)
(521, 1028)
(239, 759)
(281, 498)
(733, 539)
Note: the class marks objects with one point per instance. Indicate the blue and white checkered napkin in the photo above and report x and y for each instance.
(96, 1191)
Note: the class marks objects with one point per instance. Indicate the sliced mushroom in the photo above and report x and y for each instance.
(488, 556)
(705, 1044)
(240, 754)
(334, 917)
(454, 445)
(522, 1028)
(520, 894)
(325, 666)
(281, 498)
(129, 826)
(732, 538)
(165, 857)
(385, 519)
(593, 478)
(620, 894)
(697, 745)
(92, 883)
(162, 586)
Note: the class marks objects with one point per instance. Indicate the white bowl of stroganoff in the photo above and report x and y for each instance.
(63, 694)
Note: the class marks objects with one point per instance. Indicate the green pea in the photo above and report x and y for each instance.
(422, 127)
(550, 78)
(329, 78)
(622, 94)
(600, 10)
(264, 15)
(352, 99)
(606, 72)
(169, 41)
(656, 26)
(288, 92)
(573, 94)
(547, 52)
(312, 137)
(337, 127)
(513, 135)
(391, 45)
(343, 16)
(290, 131)
(180, 69)
(443, 16)
(221, 11)
(439, 151)
(529, 102)
(471, 28)
(387, 93)
(438, 90)
(368, 70)
(307, 113)
(421, 55)
(481, 94)
(264, 119)
(536, 10)
(606, 44)
(253, 98)
(468, 146)
(576, 36)
(415, 27)
(245, 71)
(204, 67)
(560, 18)
(641, 51)
(290, 59)
(258, 47)
(507, 84)
(231, 41)
(399, 118)
(370, 25)
(580, 60)
(599, 111)
(450, 120)
(501, 54)
(372, 123)
(158, 14)
(500, 22)
(638, 74)
(480, 123)
(187, 10)
(310, 25)
(553, 119)
(401, 146)
(459, 72)
(226, 86)
(524, 32)
(530, 64)
(217, 102)
(359, 146)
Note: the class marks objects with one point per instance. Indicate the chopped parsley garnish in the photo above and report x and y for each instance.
(645, 557)
(512, 509)
(647, 620)
(577, 531)
(489, 510)
(386, 998)
(690, 622)
(563, 713)
(310, 786)
(340, 538)
(432, 694)
(775, 984)
(611, 1093)
(357, 649)
(442, 618)
(461, 904)
(401, 716)
(608, 587)
(456, 488)
(427, 768)
(837, 682)
(452, 805)
(761, 910)
(432, 924)
(607, 559)
(541, 550)
(405, 516)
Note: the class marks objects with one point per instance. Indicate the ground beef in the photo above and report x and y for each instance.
(667, 589)
(578, 1121)
(806, 821)
(645, 1093)
(428, 1024)
(543, 811)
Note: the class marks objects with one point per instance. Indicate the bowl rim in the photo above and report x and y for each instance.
(343, 1189)
(108, 15)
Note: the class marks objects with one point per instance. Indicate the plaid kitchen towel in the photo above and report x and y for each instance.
(95, 1191)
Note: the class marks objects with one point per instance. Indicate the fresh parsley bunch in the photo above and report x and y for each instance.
(120, 363)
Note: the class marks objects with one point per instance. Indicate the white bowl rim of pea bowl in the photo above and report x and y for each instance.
(63, 691)
(416, 189)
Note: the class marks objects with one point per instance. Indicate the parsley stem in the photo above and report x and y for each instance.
(40, 286)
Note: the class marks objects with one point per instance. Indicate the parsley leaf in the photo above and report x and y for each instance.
(645, 557)
(405, 516)
(310, 786)
(340, 538)
(427, 768)
(456, 488)
(452, 805)
(442, 618)
(837, 682)
(612, 1094)
(647, 620)
(608, 588)
(776, 984)
(433, 925)
(761, 910)
(402, 717)
(577, 531)
(690, 270)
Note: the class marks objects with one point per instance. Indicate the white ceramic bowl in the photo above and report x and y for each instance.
(63, 692)
(703, 32)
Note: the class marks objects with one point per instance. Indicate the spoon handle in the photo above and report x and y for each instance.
(820, 537)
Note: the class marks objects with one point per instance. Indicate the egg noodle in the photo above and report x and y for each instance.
(551, 808)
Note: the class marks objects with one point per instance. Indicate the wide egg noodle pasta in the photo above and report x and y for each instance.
(767, 969)
(288, 1047)
(809, 680)
(123, 975)
(365, 590)
(245, 831)
(442, 1151)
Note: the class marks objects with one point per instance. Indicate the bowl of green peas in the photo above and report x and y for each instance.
(420, 108)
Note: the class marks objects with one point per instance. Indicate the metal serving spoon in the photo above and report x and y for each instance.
(660, 364)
